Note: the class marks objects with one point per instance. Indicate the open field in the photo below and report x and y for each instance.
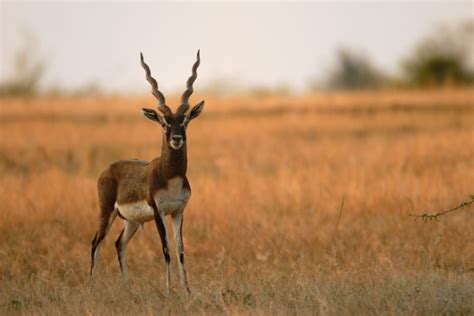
(268, 177)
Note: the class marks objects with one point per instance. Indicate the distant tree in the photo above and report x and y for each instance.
(28, 71)
(444, 57)
(353, 70)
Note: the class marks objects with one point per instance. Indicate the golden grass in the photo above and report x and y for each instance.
(268, 176)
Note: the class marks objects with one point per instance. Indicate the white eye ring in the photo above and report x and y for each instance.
(185, 122)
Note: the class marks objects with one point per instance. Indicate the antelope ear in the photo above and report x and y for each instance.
(152, 115)
(196, 110)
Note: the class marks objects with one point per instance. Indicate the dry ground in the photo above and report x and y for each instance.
(268, 177)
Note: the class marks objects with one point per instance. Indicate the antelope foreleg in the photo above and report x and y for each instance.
(161, 226)
(178, 233)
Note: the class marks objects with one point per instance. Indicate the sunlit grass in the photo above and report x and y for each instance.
(268, 176)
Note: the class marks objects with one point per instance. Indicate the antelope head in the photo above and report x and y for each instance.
(174, 124)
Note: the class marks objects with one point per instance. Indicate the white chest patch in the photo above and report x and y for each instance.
(172, 198)
(168, 200)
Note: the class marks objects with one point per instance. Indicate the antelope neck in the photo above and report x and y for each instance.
(173, 163)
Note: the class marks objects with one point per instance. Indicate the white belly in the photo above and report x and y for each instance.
(137, 212)
(168, 200)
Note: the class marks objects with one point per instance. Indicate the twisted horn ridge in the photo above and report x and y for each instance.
(154, 88)
(189, 86)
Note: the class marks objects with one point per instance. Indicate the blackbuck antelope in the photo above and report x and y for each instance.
(139, 191)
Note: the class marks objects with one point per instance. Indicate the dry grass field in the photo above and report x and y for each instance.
(261, 231)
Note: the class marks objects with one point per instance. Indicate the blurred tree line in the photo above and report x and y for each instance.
(28, 73)
(445, 57)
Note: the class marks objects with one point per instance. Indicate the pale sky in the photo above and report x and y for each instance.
(264, 43)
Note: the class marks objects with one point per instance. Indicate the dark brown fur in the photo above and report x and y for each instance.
(129, 181)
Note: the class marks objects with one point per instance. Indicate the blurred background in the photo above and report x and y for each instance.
(74, 47)
(325, 125)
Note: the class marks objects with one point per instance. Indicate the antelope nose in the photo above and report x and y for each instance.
(177, 138)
